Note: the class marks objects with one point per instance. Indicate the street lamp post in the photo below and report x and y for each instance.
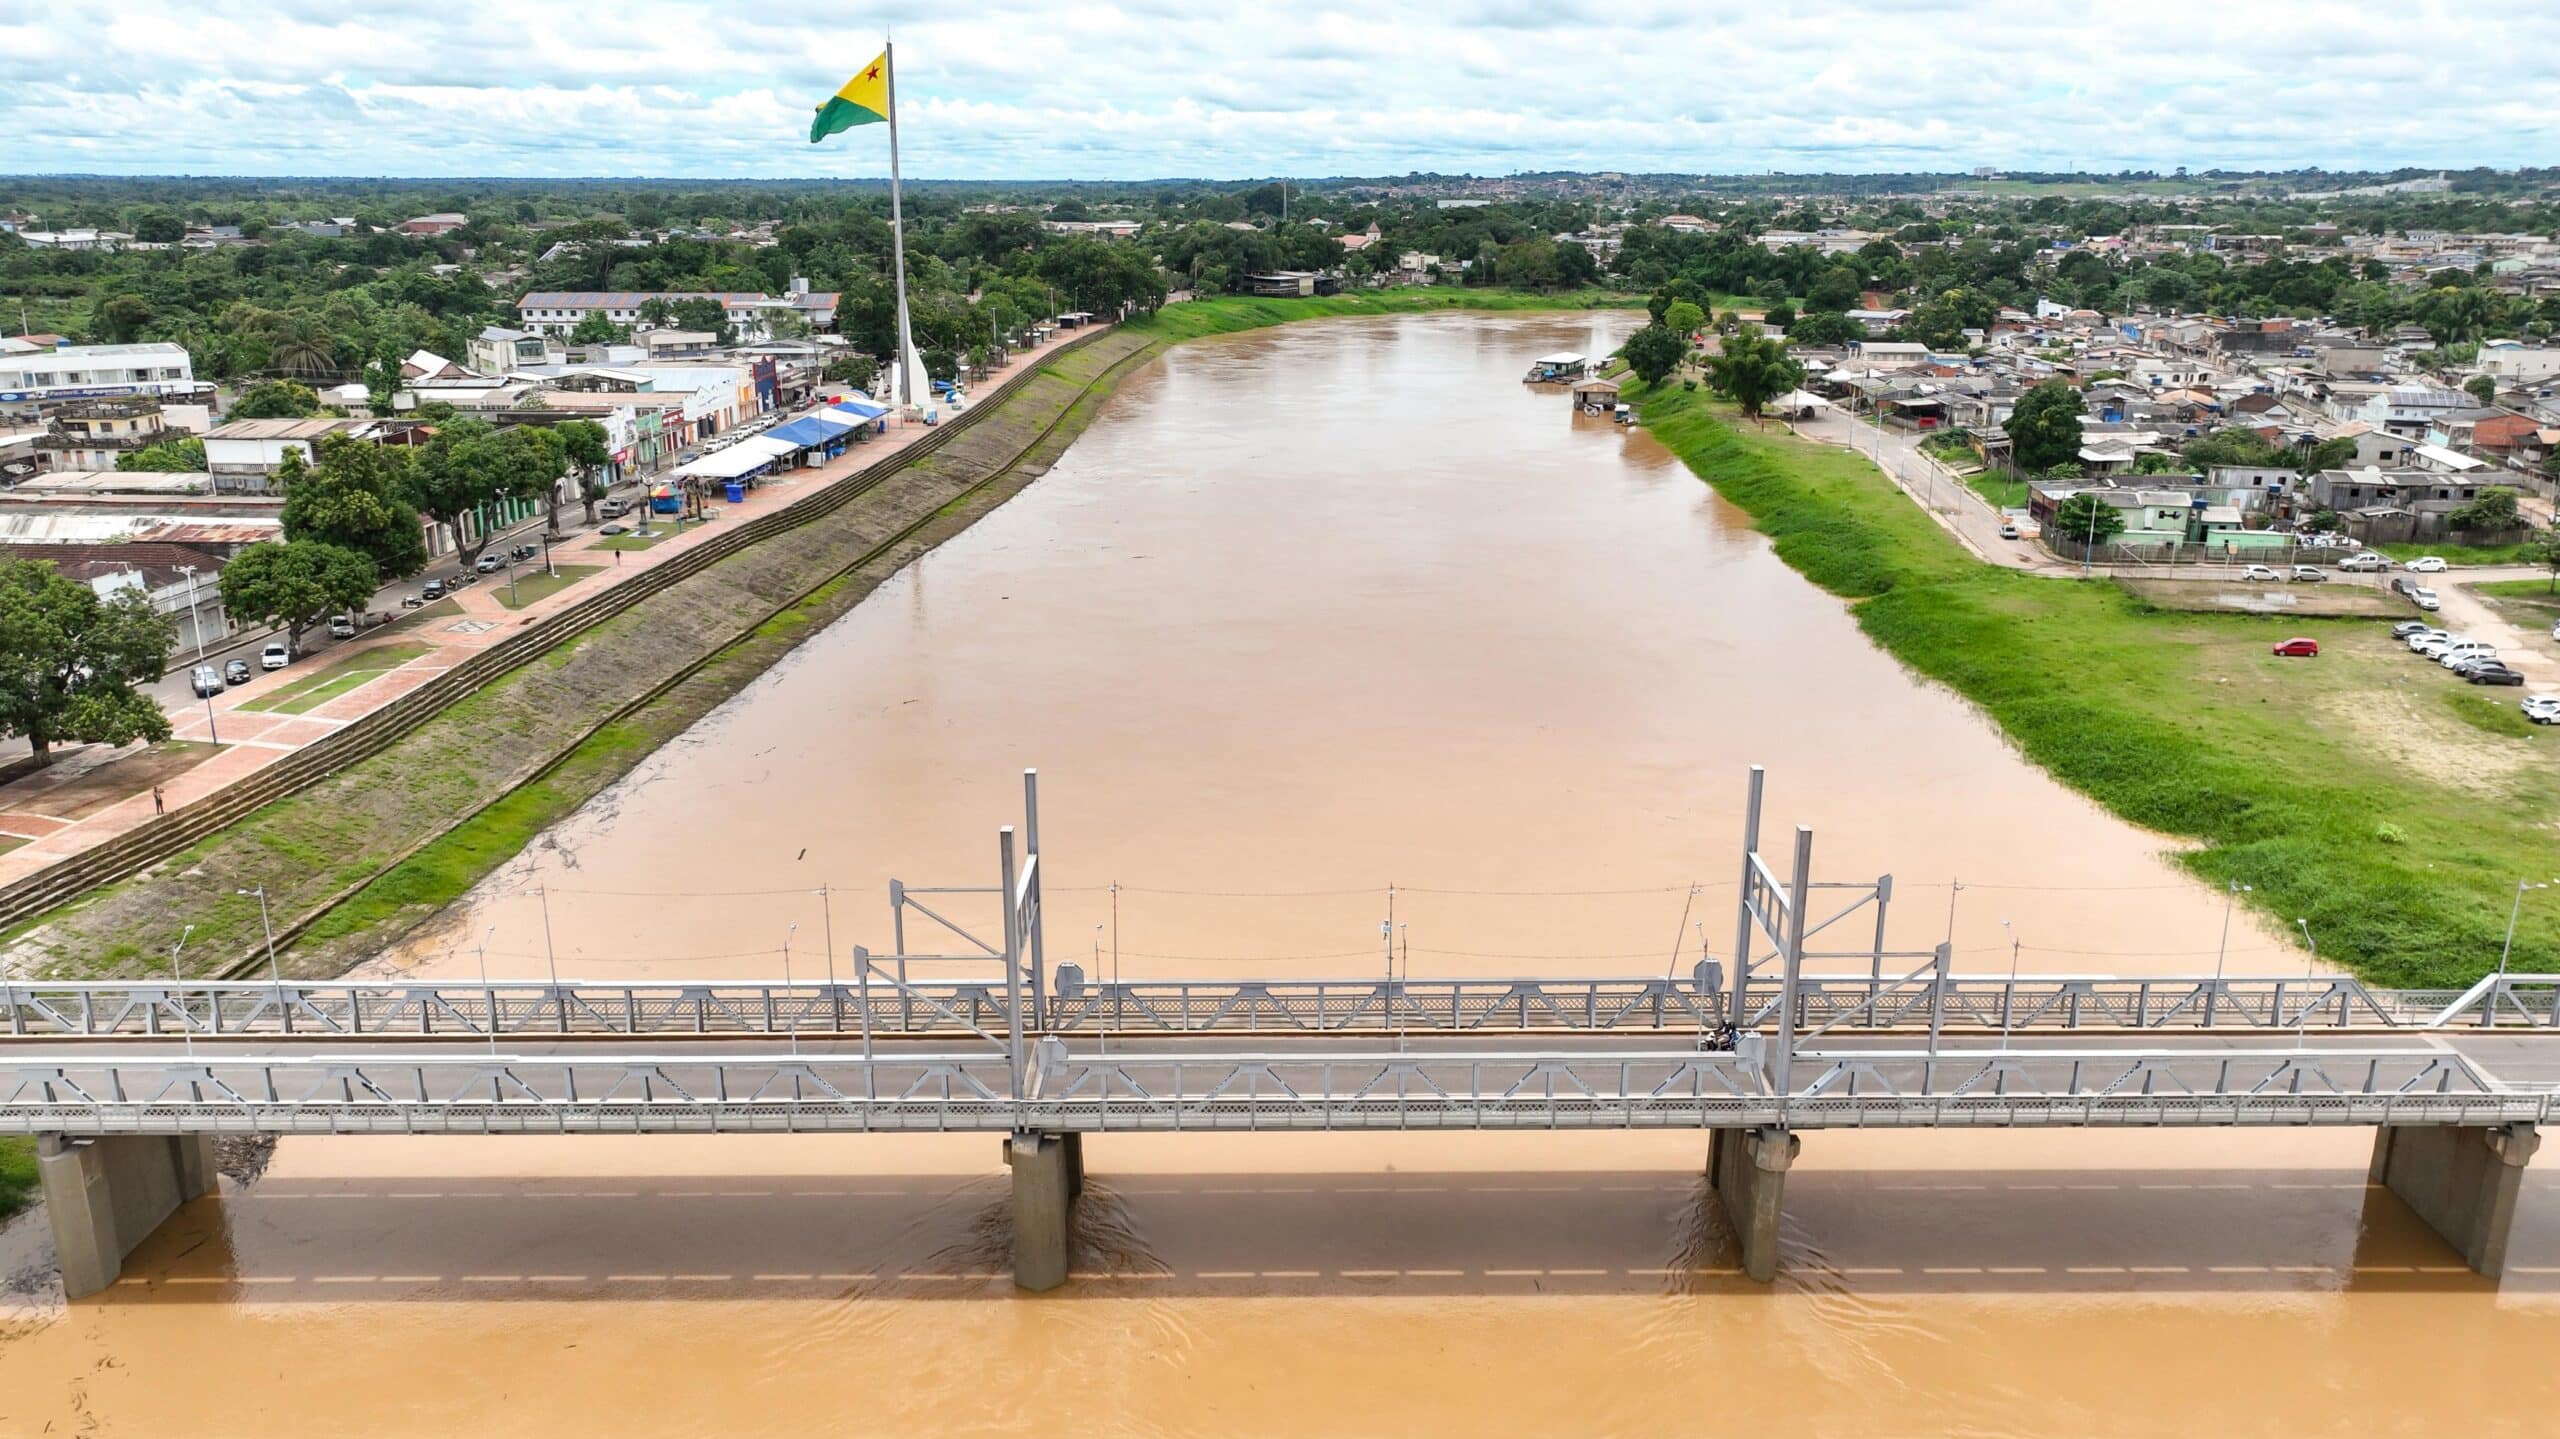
(213, 731)
(195, 616)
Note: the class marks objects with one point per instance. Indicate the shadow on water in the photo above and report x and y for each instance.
(1393, 1234)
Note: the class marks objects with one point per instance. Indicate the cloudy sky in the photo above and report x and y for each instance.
(1150, 88)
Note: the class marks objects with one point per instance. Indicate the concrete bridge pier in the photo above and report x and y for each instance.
(104, 1196)
(2462, 1180)
(1048, 1174)
(1747, 1168)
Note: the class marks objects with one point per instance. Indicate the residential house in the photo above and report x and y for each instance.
(497, 350)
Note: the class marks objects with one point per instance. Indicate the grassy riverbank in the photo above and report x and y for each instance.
(1228, 314)
(2345, 790)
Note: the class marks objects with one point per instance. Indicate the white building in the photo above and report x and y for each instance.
(749, 312)
(78, 372)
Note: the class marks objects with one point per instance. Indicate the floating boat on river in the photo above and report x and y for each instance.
(1561, 369)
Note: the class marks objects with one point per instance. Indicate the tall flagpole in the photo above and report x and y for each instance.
(898, 244)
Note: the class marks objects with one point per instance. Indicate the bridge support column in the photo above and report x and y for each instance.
(2462, 1180)
(1048, 1174)
(104, 1196)
(1747, 1168)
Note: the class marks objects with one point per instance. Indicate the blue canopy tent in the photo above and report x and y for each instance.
(822, 431)
(861, 412)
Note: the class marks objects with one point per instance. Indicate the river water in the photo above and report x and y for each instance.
(1308, 614)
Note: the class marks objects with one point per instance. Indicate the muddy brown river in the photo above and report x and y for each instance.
(1308, 614)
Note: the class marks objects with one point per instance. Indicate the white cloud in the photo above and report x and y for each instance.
(1153, 88)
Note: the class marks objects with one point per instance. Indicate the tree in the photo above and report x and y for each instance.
(2044, 429)
(1684, 319)
(181, 456)
(2328, 455)
(294, 583)
(2494, 508)
(120, 318)
(857, 371)
(2088, 519)
(2483, 388)
(159, 227)
(2544, 550)
(1752, 371)
(595, 327)
(2235, 445)
(276, 400)
(302, 345)
(1655, 351)
(1823, 327)
(71, 660)
(358, 498)
(583, 445)
(469, 466)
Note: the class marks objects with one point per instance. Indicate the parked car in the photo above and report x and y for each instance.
(236, 672)
(2542, 709)
(2309, 574)
(275, 656)
(2418, 642)
(463, 580)
(2368, 562)
(2492, 673)
(2427, 565)
(2456, 656)
(431, 590)
(2260, 572)
(342, 627)
(2434, 646)
(2008, 529)
(2425, 599)
(205, 680)
(614, 509)
(490, 563)
(2299, 648)
(2406, 628)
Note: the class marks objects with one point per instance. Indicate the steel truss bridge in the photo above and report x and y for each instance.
(1779, 1038)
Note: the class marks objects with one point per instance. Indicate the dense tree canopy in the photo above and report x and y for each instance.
(295, 583)
(2044, 428)
(72, 662)
(359, 497)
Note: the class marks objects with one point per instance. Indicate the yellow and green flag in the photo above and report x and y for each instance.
(864, 100)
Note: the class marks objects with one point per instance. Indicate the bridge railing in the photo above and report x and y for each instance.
(981, 1006)
(1371, 1087)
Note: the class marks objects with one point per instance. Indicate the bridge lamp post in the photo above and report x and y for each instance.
(2222, 947)
(2009, 1001)
(790, 1022)
(187, 1030)
(487, 988)
(2314, 962)
(269, 929)
(2514, 911)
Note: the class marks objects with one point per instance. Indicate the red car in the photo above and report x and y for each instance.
(2300, 649)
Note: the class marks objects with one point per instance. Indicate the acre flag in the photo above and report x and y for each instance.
(864, 100)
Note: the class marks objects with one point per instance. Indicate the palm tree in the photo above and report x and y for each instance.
(299, 345)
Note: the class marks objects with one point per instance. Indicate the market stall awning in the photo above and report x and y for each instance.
(811, 431)
(743, 458)
(857, 409)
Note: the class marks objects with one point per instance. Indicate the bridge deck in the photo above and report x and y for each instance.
(1438, 1082)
